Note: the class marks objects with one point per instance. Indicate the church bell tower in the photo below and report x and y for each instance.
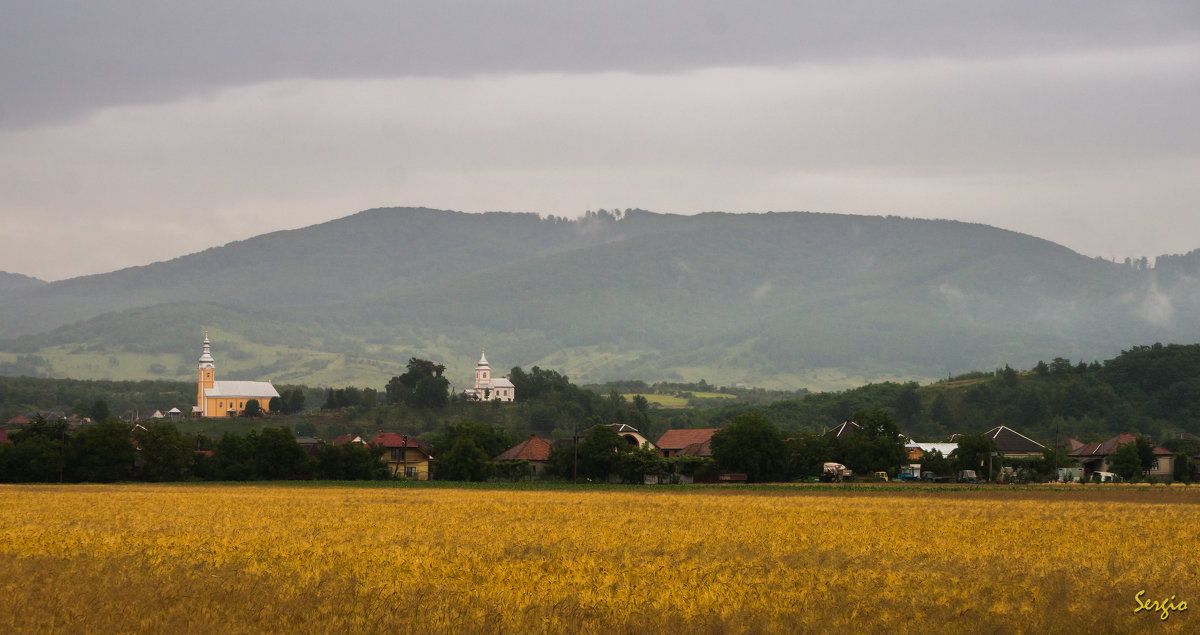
(207, 375)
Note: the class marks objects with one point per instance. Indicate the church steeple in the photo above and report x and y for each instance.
(206, 358)
(205, 378)
(483, 373)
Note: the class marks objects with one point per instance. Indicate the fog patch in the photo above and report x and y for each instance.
(1155, 307)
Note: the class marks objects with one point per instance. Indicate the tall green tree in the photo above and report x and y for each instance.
(165, 454)
(972, 454)
(36, 454)
(599, 452)
(101, 453)
(753, 446)
(465, 461)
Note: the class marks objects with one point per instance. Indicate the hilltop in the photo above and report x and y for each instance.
(787, 300)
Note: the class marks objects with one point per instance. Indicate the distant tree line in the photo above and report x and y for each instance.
(112, 451)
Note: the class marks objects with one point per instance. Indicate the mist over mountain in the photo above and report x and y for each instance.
(777, 299)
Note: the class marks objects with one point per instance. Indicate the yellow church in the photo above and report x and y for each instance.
(226, 398)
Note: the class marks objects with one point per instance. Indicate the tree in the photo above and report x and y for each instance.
(465, 461)
(807, 453)
(101, 453)
(936, 463)
(908, 404)
(291, 401)
(35, 454)
(493, 440)
(1183, 468)
(878, 445)
(252, 409)
(233, 458)
(430, 392)
(99, 410)
(972, 454)
(635, 465)
(165, 454)
(277, 455)
(421, 385)
(1125, 462)
(599, 452)
(751, 445)
(1133, 460)
(352, 462)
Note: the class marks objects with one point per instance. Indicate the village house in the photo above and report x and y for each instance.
(343, 439)
(488, 388)
(535, 451)
(1097, 457)
(405, 455)
(686, 442)
(227, 398)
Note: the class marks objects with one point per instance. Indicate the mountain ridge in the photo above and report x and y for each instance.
(774, 299)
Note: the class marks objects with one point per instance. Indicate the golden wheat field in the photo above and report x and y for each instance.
(253, 558)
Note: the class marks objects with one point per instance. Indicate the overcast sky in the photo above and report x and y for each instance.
(135, 131)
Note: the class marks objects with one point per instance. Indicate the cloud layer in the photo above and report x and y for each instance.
(1078, 127)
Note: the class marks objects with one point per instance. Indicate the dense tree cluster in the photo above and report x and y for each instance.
(421, 385)
(111, 451)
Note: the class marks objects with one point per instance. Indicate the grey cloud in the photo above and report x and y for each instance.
(60, 58)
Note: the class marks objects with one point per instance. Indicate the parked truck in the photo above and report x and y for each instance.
(835, 473)
(910, 472)
(967, 476)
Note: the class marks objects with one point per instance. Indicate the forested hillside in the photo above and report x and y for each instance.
(779, 300)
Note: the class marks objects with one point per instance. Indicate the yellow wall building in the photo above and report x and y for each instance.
(226, 398)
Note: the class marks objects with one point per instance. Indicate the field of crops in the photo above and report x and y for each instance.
(203, 558)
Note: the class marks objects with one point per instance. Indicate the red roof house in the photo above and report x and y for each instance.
(535, 450)
(531, 449)
(1094, 457)
(19, 420)
(674, 442)
(405, 455)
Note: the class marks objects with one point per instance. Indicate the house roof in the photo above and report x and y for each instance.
(846, 427)
(679, 439)
(19, 420)
(531, 449)
(696, 449)
(348, 438)
(247, 389)
(500, 382)
(1009, 441)
(1109, 446)
(395, 440)
(623, 428)
(1074, 444)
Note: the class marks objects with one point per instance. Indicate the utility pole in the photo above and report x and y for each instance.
(575, 475)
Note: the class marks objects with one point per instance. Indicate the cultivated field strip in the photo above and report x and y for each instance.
(227, 558)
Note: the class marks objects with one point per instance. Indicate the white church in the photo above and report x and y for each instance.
(488, 388)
